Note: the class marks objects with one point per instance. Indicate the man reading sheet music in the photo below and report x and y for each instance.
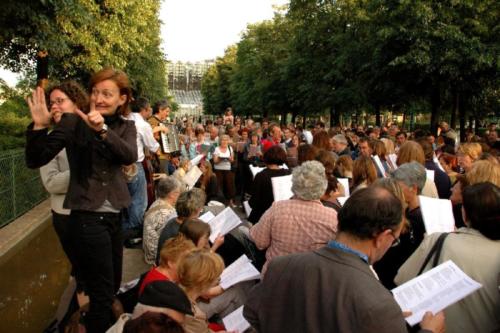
(333, 289)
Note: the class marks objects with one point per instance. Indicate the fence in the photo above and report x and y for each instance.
(20, 188)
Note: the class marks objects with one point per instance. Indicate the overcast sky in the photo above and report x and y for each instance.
(196, 30)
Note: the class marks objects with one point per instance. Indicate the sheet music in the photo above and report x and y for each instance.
(235, 322)
(247, 208)
(434, 290)
(345, 184)
(282, 187)
(252, 151)
(197, 159)
(223, 223)
(379, 165)
(342, 200)
(255, 169)
(437, 214)
(435, 159)
(192, 176)
(393, 158)
(240, 146)
(207, 217)
(430, 174)
(239, 271)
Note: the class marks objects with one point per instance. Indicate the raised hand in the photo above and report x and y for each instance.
(38, 108)
(93, 119)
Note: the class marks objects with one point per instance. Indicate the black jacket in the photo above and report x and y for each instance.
(106, 180)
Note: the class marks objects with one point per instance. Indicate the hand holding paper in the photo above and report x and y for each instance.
(433, 291)
(223, 223)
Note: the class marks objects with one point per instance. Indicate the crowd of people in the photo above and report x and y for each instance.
(328, 256)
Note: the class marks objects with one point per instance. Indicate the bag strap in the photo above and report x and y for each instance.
(434, 252)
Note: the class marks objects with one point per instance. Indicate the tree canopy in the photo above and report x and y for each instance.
(351, 56)
(82, 36)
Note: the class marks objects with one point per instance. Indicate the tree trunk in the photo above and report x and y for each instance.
(461, 113)
(42, 69)
(294, 116)
(284, 114)
(304, 118)
(377, 115)
(404, 120)
(454, 109)
(435, 105)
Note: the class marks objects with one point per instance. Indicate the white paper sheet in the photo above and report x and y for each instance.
(235, 322)
(430, 174)
(247, 208)
(223, 223)
(239, 271)
(192, 176)
(282, 187)
(379, 165)
(207, 217)
(195, 161)
(435, 159)
(345, 184)
(342, 200)
(393, 158)
(255, 169)
(437, 214)
(434, 290)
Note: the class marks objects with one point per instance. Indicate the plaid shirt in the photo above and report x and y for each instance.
(292, 226)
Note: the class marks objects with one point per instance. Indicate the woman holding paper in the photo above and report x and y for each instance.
(199, 271)
(475, 249)
(223, 158)
(262, 189)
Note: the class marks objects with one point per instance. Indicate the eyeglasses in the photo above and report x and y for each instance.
(396, 241)
(57, 101)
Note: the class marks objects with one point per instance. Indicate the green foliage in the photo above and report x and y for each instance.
(82, 36)
(353, 56)
(216, 81)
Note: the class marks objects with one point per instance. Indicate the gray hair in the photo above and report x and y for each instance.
(410, 174)
(189, 202)
(309, 180)
(167, 185)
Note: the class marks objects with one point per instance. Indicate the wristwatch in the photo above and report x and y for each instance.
(102, 133)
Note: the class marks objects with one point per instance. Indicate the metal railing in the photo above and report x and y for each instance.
(20, 188)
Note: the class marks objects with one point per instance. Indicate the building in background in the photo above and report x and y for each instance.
(184, 84)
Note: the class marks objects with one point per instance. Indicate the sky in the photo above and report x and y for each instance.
(196, 30)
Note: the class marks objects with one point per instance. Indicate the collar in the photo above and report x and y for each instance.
(342, 247)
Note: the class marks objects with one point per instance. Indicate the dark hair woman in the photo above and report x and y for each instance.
(98, 143)
(262, 189)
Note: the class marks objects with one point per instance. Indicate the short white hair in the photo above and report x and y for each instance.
(309, 180)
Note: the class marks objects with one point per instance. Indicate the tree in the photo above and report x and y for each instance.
(216, 81)
(82, 36)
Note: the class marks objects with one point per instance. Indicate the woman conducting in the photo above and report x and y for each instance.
(98, 144)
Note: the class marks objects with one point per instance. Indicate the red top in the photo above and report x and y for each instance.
(153, 275)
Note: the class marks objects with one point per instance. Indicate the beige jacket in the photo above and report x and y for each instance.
(55, 179)
(479, 258)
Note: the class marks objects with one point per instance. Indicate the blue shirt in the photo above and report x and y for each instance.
(336, 245)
